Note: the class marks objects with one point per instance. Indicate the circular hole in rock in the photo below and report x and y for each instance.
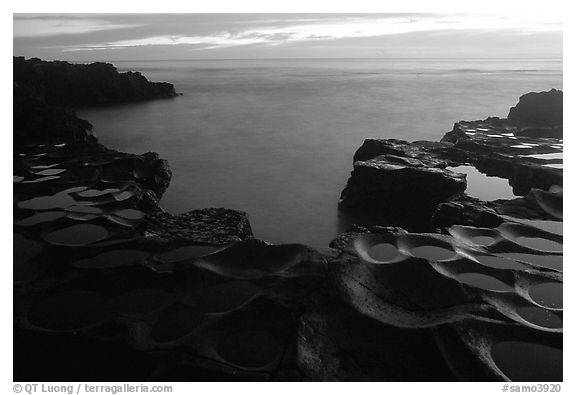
(483, 281)
(226, 297)
(538, 243)
(90, 193)
(50, 172)
(546, 261)
(70, 311)
(185, 253)
(249, 349)
(84, 209)
(81, 217)
(41, 217)
(547, 294)
(130, 214)
(42, 167)
(110, 259)
(123, 196)
(482, 240)
(77, 235)
(500, 263)
(41, 179)
(432, 253)
(85, 203)
(120, 221)
(523, 361)
(383, 252)
(540, 317)
(74, 189)
(60, 200)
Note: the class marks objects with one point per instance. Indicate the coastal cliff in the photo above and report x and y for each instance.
(45, 94)
(84, 85)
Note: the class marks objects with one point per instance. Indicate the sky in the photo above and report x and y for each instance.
(110, 37)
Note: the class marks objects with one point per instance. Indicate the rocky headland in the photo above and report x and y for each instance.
(46, 92)
(86, 85)
(440, 286)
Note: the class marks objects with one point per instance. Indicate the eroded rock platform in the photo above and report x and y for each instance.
(108, 286)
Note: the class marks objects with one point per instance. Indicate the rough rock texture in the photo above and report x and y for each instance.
(466, 211)
(81, 85)
(218, 226)
(418, 150)
(542, 108)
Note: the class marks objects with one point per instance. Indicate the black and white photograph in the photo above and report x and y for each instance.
(287, 197)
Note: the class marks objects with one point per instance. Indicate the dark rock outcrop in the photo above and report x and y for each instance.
(388, 185)
(216, 226)
(44, 92)
(539, 109)
(466, 211)
(37, 121)
(82, 85)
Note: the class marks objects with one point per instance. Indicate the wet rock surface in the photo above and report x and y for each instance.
(108, 286)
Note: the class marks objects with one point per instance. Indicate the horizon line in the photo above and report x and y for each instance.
(307, 58)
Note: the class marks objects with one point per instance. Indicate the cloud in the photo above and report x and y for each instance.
(333, 29)
(54, 25)
(215, 41)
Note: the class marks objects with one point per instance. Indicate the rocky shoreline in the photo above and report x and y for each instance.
(441, 286)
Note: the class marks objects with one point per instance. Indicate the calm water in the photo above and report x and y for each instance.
(276, 138)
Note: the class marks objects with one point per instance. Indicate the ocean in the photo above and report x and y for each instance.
(275, 138)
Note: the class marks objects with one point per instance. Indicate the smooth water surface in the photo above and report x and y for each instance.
(383, 252)
(484, 187)
(276, 138)
(523, 361)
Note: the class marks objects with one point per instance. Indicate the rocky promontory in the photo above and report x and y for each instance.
(440, 286)
(45, 94)
(85, 85)
(539, 109)
(394, 178)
